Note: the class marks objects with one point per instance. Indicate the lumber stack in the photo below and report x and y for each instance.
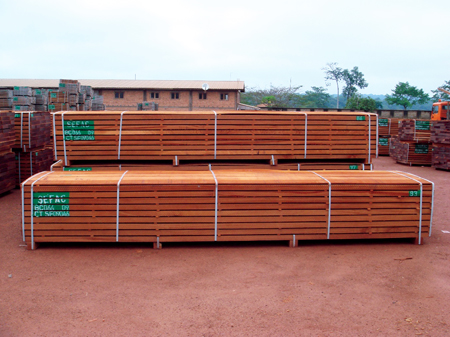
(224, 205)
(23, 99)
(440, 137)
(414, 130)
(205, 166)
(6, 99)
(7, 139)
(225, 135)
(411, 153)
(32, 162)
(387, 128)
(32, 130)
(71, 95)
(41, 99)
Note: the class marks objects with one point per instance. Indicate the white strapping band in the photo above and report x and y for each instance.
(329, 202)
(29, 131)
(64, 138)
(32, 206)
(215, 134)
(51, 167)
(54, 135)
(421, 198)
(120, 134)
(117, 208)
(216, 203)
(306, 131)
(377, 138)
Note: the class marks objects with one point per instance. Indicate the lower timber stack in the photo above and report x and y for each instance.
(7, 164)
(224, 205)
(411, 153)
(440, 136)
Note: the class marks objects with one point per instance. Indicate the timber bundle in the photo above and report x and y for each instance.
(440, 136)
(410, 153)
(224, 205)
(387, 128)
(7, 163)
(224, 135)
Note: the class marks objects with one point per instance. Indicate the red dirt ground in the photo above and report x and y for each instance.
(351, 288)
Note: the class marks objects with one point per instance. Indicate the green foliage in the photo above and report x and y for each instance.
(407, 95)
(353, 79)
(439, 95)
(356, 102)
(317, 97)
(279, 97)
(334, 73)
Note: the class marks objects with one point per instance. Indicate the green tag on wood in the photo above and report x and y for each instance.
(423, 125)
(353, 167)
(414, 193)
(360, 118)
(383, 122)
(17, 115)
(383, 141)
(77, 169)
(53, 95)
(62, 85)
(421, 148)
(51, 107)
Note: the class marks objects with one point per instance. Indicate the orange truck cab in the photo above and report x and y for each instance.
(440, 111)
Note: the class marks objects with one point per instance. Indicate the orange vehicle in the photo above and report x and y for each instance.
(441, 110)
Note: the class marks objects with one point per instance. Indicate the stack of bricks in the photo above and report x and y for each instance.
(440, 137)
(7, 163)
(32, 144)
(23, 99)
(6, 99)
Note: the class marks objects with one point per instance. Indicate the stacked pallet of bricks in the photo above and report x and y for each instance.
(224, 205)
(440, 137)
(413, 145)
(7, 163)
(32, 145)
(387, 128)
(210, 136)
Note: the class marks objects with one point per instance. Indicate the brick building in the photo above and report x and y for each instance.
(168, 95)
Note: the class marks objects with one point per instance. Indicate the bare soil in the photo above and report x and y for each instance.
(326, 288)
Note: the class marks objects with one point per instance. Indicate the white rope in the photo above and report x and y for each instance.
(421, 198)
(32, 206)
(329, 202)
(216, 203)
(117, 209)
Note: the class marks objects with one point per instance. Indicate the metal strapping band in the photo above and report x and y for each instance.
(306, 131)
(51, 167)
(32, 206)
(176, 160)
(298, 166)
(293, 240)
(273, 161)
(215, 134)
(432, 199)
(120, 134)
(377, 138)
(329, 202)
(21, 129)
(117, 209)
(420, 211)
(157, 242)
(370, 134)
(414, 129)
(363, 166)
(54, 136)
(23, 207)
(216, 203)
(64, 138)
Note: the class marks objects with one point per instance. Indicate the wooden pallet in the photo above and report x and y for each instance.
(225, 135)
(7, 133)
(224, 205)
(411, 152)
(32, 130)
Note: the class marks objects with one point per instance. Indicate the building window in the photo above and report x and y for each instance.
(154, 95)
(202, 95)
(224, 97)
(175, 95)
(118, 94)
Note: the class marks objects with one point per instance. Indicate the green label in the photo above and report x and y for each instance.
(414, 193)
(16, 115)
(360, 118)
(72, 132)
(53, 95)
(51, 204)
(383, 122)
(79, 125)
(16, 88)
(79, 130)
(353, 167)
(38, 92)
(51, 107)
(17, 107)
(62, 85)
(421, 148)
(77, 169)
(422, 125)
(383, 141)
(15, 99)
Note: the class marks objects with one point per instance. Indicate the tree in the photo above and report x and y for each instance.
(407, 95)
(274, 97)
(334, 73)
(439, 95)
(315, 98)
(356, 102)
(353, 79)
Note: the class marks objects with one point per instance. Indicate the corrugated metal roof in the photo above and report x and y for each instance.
(128, 84)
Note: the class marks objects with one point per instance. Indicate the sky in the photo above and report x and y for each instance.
(262, 43)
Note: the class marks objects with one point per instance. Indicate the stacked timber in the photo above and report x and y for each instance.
(41, 99)
(6, 99)
(440, 137)
(225, 135)
(147, 106)
(23, 99)
(88, 93)
(411, 153)
(224, 205)
(7, 164)
(387, 128)
(97, 103)
(205, 166)
(414, 130)
(32, 146)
